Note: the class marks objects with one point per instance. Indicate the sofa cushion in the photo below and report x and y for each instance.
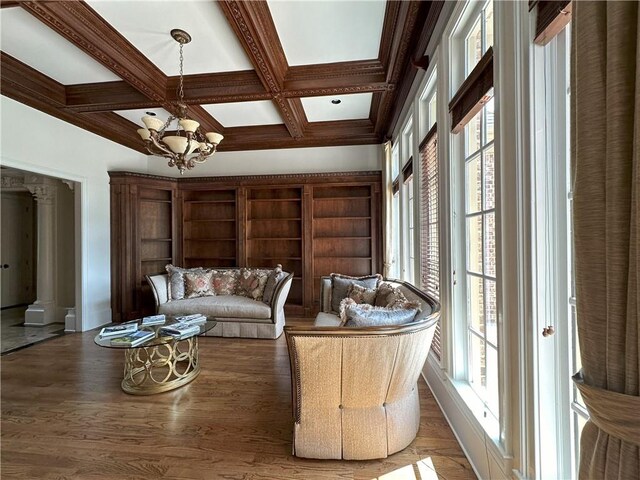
(327, 320)
(175, 283)
(225, 281)
(275, 277)
(361, 294)
(252, 282)
(363, 315)
(218, 306)
(198, 284)
(389, 296)
(341, 284)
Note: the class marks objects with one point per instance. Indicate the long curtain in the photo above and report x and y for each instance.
(605, 101)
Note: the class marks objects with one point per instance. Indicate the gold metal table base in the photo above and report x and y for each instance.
(160, 368)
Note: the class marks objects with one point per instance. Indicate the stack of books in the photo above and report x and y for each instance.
(118, 330)
(134, 339)
(181, 330)
(195, 319)
(153, 320)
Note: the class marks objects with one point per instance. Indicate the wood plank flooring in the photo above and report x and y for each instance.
(64, 416)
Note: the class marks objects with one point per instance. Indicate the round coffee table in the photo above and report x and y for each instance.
(161, 363)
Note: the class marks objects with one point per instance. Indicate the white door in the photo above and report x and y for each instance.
(17, 249)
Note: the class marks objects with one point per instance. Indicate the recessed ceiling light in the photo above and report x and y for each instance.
(151, 114)
(336, 101)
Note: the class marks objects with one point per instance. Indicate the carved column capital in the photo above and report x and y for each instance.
(44, 194)
(43, 189)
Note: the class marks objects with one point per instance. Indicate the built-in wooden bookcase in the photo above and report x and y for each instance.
(343, 232)
(209, 228)
(274, 233)
(143, 241)
(311, 224)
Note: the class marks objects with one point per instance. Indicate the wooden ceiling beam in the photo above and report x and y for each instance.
(414, 20)
(420, 41)
(20, 78)
(207, 88)
(318, 134)
(106, 97)
(82, 26)
(254, 27)
(335, 79)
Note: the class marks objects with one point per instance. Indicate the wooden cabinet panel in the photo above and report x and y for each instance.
(311, 224)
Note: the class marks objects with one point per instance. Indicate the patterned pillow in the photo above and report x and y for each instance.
(275, 277)
(224, 282)
(390, 296)
(252, 282)
(175, 285)
(198, 284)
(341, 283)
(361, 294)
(363, 315)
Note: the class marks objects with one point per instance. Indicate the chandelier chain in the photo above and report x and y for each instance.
(180, 85)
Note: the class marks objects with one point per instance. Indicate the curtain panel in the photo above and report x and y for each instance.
(605, 143)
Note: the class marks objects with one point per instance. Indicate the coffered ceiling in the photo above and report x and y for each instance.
(265, 74)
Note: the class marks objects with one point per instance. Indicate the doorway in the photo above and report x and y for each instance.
(37, 271)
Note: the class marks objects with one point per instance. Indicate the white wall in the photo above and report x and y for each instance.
(291, 160)
(65, 151)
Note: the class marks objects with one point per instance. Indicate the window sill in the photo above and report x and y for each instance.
(478, 409)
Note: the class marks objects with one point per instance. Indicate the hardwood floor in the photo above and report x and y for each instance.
(64, 416)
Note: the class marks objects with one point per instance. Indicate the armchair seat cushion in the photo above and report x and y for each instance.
(218, 306)
(327, 320)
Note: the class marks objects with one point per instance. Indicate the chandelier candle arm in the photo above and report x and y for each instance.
(181, 144)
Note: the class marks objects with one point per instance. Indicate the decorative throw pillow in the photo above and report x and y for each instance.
(363, 315)
(341, 283)
(252, 282)
(389, 296)
(198, 284)
(175, 285)
(275, 277)
(361, 294)
(224, 282)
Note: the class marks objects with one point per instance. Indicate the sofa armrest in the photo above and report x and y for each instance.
(280, 296)
(325, 294)
(159, 287)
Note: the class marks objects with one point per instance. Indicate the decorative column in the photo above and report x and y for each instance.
(43, 311)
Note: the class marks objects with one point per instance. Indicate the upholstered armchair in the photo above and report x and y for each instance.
(355, 393)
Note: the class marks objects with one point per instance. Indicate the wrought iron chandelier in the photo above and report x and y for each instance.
(186, 146)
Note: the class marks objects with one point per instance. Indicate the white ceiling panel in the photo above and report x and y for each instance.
(147, 25)
(30, 41)
(351, 107)
(328, 31)
(136, 115)
(243, 114)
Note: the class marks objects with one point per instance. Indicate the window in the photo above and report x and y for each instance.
(429, 199)
(480, 242)
(395, 213)
(429, 218)
(408, 210)
(472, 109)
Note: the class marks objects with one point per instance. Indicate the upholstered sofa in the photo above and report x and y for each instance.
(355, 393)
(236, 315)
